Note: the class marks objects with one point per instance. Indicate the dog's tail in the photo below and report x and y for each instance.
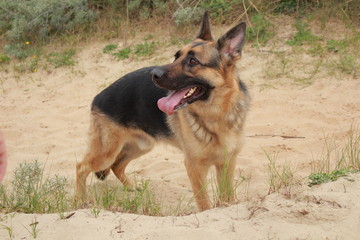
(101, 175)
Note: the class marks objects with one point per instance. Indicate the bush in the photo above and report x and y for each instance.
(30, 192)
(261, 30)
(38, 19)
(188, 15)
(303, 35)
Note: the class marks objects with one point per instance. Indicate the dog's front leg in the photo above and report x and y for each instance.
(225, 177)
(197, 172)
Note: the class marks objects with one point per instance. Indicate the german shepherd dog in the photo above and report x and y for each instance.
(197, 103)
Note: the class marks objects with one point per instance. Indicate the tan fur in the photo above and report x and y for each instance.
(210, 133)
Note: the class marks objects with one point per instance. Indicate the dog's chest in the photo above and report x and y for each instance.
(225, 132)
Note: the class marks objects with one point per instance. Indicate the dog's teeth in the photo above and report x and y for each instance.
(190, 92)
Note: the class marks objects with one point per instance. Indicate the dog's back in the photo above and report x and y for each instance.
(131, 102)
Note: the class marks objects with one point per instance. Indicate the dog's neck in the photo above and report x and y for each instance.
(205, 130)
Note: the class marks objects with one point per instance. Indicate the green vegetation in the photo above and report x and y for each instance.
(337, 160)
(110, 48)
(319, 178)
(22, 21)
(145, 49)
(260, 31)
(30, 192)
(4, 58)
(122, 53)
(280, 177)
(303, 35)
(9, 230)
(115, 198)
(64, 58)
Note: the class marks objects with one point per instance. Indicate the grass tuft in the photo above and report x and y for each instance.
(260, 31)
(29, 192)
(303, 35)
(337, 159)
(280, 177)
(64, 58)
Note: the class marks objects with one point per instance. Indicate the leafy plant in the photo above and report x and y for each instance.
(31, 193)
(292, 6)
(144, 49)
(188, 15)
(319, 178)
(19, 50)
(303, 35)
(337, 160)
(64, 58)
(110, 48)
(4, 59)
(123, 53)
(38, 19)
(260, 32)
(335, 46)
(347, 64)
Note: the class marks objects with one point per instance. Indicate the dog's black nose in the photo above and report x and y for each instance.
(157, 74)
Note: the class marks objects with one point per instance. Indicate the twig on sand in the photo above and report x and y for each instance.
(274, 135)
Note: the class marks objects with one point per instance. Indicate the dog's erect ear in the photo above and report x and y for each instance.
(230, 44)
(205, 32)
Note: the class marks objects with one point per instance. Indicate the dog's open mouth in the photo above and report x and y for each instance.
(180, 98)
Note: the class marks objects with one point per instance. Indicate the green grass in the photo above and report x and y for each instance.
(303, 35)
(260, 31)
(34, 231)
(9, 230)
(319, 178)
(142, 200)
(346, 64)
(280, 177)
(144, 49)
(60, 59)
(110, 48)
(30, 192)
(4, 59)
(122, 53)
(335, 45)
(337, 159)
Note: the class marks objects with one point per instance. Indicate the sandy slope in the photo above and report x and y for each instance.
(330, 211)
(45, 115)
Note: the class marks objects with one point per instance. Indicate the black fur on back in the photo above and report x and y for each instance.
(131, 101)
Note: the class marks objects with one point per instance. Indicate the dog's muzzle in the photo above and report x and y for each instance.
(156, 75)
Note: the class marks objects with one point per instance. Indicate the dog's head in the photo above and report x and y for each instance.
(201, 67)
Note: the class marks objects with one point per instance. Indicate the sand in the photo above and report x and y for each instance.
(45, 117)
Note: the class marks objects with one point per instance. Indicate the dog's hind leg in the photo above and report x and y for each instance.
(131, 150)
(105, 144)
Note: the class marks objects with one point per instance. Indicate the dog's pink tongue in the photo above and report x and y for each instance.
(167, 104)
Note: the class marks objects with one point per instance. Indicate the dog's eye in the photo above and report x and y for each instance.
(193, 61)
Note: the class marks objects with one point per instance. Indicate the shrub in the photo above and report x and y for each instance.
(31, 193)
(38, 19)
(303, 35)
(260, 31)
(187, 15)
(4, 58)
(62, 59)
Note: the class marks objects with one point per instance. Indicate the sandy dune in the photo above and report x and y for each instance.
(44, 116)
